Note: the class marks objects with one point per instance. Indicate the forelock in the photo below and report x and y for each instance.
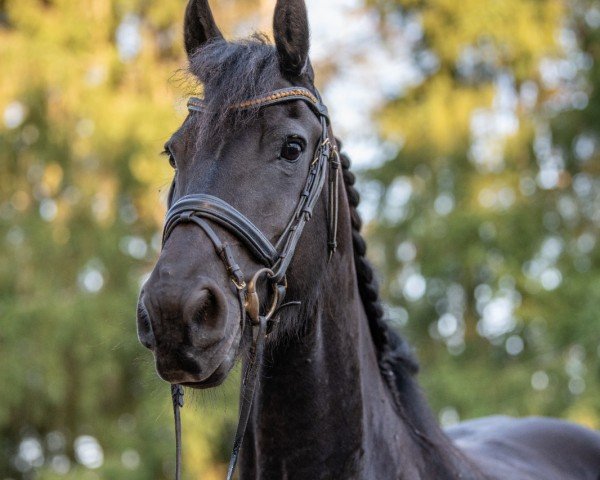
(229, 73)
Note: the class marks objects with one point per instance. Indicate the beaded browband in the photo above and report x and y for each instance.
(284, 94)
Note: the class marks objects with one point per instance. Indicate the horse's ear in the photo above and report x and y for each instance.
(199, 26)
(290, 29)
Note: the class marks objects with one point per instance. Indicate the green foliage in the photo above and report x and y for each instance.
(488, 224)
(491, 218)
(81, 183)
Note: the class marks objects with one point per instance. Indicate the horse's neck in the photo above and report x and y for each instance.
(322, 405)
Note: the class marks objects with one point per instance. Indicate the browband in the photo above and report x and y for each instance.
(277, 96)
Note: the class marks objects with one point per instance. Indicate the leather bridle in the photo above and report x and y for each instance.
(205, 210)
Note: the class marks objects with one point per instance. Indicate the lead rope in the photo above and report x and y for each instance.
(177, 396)
(249, 382)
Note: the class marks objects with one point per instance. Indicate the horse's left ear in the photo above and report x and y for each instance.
(290, 28)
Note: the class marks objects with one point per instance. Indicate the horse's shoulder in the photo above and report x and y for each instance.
(564, 449)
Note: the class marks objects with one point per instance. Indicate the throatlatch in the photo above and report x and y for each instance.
(204, 210)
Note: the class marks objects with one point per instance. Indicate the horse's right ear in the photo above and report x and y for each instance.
(290, 29)
(199, 26)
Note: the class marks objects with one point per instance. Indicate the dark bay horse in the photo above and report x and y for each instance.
(337, 397)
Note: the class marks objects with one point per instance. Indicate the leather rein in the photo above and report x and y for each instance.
(205, 210)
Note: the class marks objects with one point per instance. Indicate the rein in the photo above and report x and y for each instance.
(204, 210)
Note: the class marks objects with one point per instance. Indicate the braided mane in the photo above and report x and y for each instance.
(391, 348)
(397, 363)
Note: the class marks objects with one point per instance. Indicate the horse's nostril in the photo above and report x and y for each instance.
(202, 302)
(145, 333)
(203, 318)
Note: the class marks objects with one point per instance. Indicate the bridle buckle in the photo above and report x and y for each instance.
(252, 304)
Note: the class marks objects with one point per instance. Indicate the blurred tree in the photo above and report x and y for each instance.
(487, 229)
(488, 219)
(85, 104)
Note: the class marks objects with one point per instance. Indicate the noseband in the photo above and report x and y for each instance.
(205, 210)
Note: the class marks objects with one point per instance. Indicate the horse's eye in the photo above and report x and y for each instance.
(169, 154)
(291, 150)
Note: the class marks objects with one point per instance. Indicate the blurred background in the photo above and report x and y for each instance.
(474, 127)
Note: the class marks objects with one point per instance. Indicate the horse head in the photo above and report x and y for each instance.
(250, 167)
